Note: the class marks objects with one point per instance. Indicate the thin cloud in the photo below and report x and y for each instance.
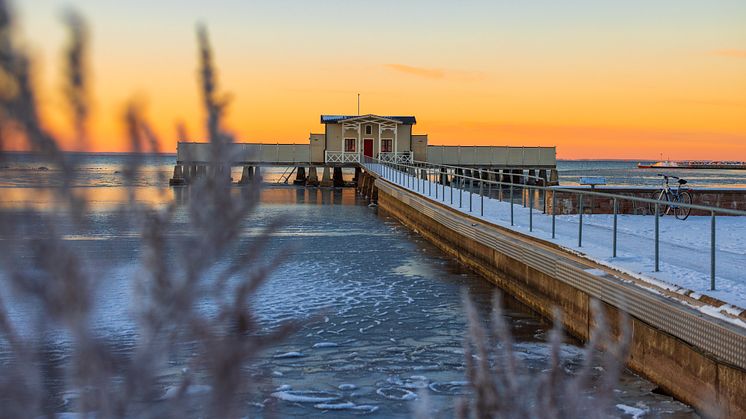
(732, 53)
(428, 73)
(435, 73)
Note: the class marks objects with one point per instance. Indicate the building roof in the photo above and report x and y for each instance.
(334, 119)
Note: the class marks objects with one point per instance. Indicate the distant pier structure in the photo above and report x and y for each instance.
(348, 140)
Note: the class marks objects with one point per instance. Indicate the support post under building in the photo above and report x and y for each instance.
(313, 177)
(337, 178)
(326, 179)
(300, 176)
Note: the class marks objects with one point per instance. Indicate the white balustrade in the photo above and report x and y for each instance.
(342, 157)
(398, 157)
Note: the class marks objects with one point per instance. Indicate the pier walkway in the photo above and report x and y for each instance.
(686, 256)
(688, 342)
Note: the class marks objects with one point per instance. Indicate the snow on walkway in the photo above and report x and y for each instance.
(684, 245)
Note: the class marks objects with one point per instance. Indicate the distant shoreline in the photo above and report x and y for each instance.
(97, 153)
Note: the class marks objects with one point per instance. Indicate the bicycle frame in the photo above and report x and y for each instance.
(672, 196)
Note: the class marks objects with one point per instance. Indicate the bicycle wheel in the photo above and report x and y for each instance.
(658, 196)
(682, 213)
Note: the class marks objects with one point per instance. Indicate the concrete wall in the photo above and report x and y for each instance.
(704, 374)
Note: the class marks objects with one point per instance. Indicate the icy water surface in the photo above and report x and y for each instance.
(383, 307)
(105, 170)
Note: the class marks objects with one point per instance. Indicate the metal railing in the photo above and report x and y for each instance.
(426, 178)
(341, 157)
(397, 157)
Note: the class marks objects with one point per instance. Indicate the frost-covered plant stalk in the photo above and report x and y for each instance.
(60, 283)
(504, 387)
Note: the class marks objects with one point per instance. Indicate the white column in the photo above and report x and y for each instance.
(396, 139)
(359, 149)
(380, 133)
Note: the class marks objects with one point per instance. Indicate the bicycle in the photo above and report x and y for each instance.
(669, 199)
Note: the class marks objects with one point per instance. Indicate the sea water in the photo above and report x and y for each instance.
(382, 311)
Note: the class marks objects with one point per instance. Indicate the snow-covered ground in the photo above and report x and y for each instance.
(684, 245)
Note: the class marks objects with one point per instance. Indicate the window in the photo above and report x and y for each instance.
(386, 145)
(350, 145)
(368, 129)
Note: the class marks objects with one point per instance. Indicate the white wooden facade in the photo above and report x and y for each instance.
(352, 138)
(347, 140)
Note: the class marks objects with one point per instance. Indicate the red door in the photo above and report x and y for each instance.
(368, 147)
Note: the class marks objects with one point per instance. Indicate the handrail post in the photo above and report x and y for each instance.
(613, 252)
(471, 189)
(450, 188)
(442, 185)
(490, 175)
(416, 177)
(511, 201)
(481, 194)
(580, 223)
(429, 183)
(435, 177)
(712, 251)
(657, 238)
(554, 213)
(544, 199)
(530, 209)
(461, 190)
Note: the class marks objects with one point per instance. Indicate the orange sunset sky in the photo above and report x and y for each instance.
(599, 79)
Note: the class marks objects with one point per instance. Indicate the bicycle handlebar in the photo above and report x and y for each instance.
(668, 176)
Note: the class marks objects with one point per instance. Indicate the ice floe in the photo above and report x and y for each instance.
(309, 396)
(293, 354)
(325, 345)
(635, 412)
(395, 393)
